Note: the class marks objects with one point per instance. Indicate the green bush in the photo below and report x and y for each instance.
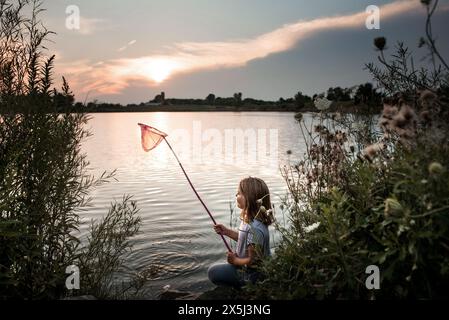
(397, 220)
(44, 182)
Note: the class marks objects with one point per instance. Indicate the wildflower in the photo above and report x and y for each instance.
(340, 137)
(392, 207)
(321, 129)
(312, 227)
(406, 134)
(262, 209)
(435, 168)
(380, 43)
(259, 202)
(372, 150)
(389, 111)
(384, 123)
(298, 116)
(399, 121)
(322, 103)
(427, 95)
(427, 98)
(407, 112)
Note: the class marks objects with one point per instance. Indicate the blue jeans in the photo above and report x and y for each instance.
(225, 274)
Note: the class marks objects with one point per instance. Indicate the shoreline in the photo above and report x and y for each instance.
(337, 107)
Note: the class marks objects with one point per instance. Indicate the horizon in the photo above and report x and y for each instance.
(216, 97)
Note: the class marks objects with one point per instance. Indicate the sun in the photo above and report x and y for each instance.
(159, 70)
(152, 69)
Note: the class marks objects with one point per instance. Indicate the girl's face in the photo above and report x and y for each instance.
(240, 199)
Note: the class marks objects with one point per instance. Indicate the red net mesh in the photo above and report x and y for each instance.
(151, 137)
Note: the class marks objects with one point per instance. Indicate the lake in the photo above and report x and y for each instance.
(217, 149)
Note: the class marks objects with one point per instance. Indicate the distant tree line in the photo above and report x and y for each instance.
(361, 95)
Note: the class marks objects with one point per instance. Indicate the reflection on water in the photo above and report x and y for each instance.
(177, 243)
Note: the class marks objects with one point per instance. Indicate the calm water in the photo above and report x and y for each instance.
(176, 232)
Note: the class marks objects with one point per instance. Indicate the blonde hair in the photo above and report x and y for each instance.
(254, 189)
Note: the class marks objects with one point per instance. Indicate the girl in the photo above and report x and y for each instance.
(253, 240)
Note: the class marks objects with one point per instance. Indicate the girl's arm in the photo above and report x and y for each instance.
(234, 235)
(233, 259)
(221, 229)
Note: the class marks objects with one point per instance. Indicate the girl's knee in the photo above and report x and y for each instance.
(214, 273)
(211, 273)
(223, 274)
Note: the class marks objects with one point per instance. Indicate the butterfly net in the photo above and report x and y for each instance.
(151, 137)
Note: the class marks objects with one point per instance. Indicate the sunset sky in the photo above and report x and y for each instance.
(128, 51)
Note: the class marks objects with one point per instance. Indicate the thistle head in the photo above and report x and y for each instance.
(392, 207)
(435, 168)
(380, 43)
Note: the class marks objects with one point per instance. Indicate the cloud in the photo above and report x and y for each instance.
(90, 25)
(187, 57)
(132, 42)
